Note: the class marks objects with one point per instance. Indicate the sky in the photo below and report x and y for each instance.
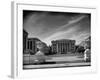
(48, 26)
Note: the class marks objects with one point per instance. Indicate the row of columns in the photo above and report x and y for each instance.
(31, 45)
(63, 46)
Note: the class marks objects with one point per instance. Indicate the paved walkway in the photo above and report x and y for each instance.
(65, 58)
(64, 61)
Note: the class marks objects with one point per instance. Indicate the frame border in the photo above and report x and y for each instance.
(14, 34)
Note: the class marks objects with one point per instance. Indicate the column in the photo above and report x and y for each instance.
(52, 48)
(57, 47)
(26, 43)
(61, 47)
(67, 46)
(70, 46)
(32, 47)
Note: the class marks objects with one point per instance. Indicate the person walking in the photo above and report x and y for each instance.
(87, 54)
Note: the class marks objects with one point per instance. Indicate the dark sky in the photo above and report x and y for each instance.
(48, 26)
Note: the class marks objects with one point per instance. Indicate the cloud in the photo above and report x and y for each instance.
(76, 20)
(49, 27)
(66, 31)
(71, 22)
(61, 35)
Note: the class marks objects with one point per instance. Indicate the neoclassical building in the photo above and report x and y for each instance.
(63, 46)
(25, 35)
(34, 44)
(31, 45)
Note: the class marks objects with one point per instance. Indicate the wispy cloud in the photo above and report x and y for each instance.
(71, 22)
(61, 35)
(48, 27)
(66, 31)
(77, 19)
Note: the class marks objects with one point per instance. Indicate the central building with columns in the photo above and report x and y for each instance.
(63, 46)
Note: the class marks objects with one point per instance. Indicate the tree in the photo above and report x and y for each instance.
(80, 49)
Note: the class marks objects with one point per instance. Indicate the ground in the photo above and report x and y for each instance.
(64, 60)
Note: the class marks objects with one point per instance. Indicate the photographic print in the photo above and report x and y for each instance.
(55, 39)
